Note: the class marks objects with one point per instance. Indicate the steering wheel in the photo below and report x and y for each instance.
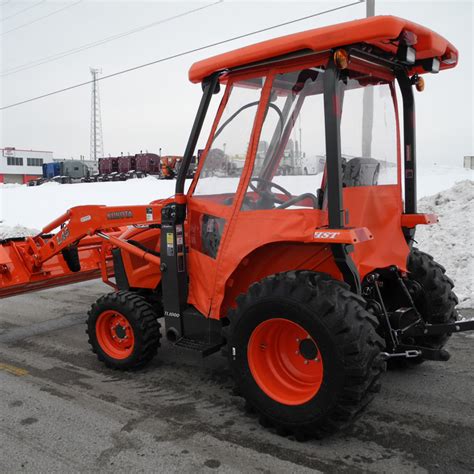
(266, 194)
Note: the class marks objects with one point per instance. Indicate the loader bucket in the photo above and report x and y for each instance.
(19, 274)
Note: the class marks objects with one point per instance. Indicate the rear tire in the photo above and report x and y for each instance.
(304, 353)
(123, 330)
(435, 301)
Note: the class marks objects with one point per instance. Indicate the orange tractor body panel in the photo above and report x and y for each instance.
(379, 31)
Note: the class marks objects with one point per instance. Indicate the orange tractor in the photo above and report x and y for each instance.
(169, 165)
(310, 284)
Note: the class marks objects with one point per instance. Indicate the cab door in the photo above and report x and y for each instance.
(273, 228)
(212, 194)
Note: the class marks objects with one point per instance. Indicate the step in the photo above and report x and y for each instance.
(204, 348)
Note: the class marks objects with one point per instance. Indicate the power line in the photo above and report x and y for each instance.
(24, 10)
(78, 49)
(59, 10)
(178, 55)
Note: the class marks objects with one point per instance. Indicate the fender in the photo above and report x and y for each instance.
(342, 236)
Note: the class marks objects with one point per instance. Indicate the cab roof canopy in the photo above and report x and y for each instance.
(380, 31)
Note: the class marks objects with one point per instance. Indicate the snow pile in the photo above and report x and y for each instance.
(436, 178)
(7, 232)
(451, 242)
(9, 185)
(36, 206)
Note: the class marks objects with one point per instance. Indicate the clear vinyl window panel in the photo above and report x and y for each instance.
(368, 147)
(291, 152)
(225, 160)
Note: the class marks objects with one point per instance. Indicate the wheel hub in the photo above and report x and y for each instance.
(308, 349)
(120, 332)
(115, 334)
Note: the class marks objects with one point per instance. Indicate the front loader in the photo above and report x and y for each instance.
(309, 284)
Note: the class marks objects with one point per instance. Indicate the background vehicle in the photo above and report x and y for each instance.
(192, 166)
(63, 172)
(121, 168)
(308, 283)
(169, 166)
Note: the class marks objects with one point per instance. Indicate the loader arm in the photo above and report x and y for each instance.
(90, 232)
(79, 222)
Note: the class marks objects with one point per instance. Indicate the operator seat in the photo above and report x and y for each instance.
(355, 172)
(361, 172)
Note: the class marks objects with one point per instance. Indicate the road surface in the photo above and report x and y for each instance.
(62, 411)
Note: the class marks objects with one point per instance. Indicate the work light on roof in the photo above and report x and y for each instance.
(431, 65)
(406, 54)
(449, 58)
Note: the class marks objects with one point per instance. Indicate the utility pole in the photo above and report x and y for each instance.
(301, 141)
(368, 102)
(97, 146)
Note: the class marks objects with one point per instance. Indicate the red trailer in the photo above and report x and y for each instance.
(124, 164)
(129, 166)
(108, 165)
(148, 163)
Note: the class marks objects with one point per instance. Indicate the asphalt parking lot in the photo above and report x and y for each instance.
(62, 411)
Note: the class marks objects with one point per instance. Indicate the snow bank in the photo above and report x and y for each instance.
(9, 185)
(7, 232)
(451, 242)
(35, 206)
(431, 179)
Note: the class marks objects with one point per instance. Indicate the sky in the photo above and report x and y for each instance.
(154, 107)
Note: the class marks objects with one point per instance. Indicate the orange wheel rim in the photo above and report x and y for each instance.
(285, 361)
(115, 334)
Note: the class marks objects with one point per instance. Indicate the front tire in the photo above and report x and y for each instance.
(304, 353)
(123, 330)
